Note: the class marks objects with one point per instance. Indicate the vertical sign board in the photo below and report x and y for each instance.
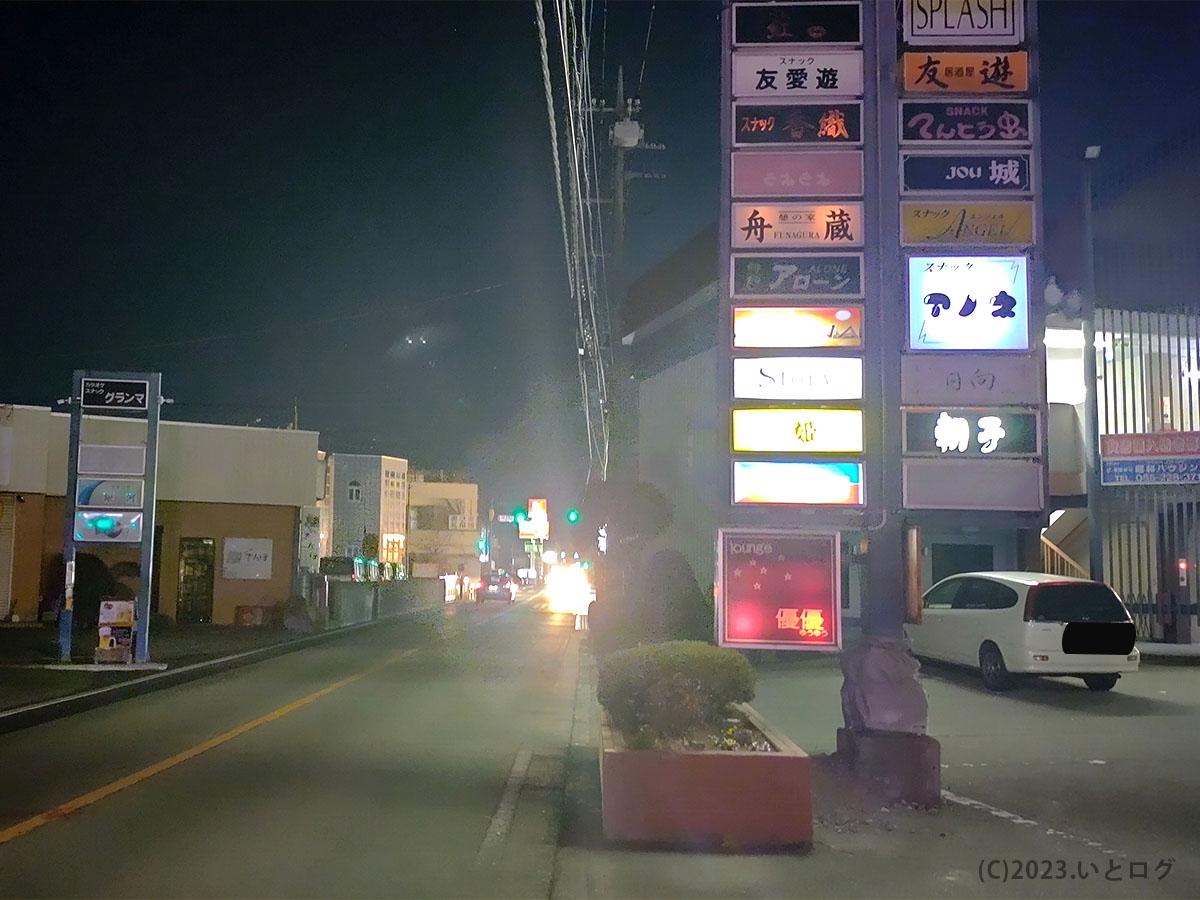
(778, 590)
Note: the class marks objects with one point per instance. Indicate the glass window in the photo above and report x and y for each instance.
(354, 491)
(942, 596)
(1074, 602)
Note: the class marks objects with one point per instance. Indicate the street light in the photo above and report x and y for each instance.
(1092, 400)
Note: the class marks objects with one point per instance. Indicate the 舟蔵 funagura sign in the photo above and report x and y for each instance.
(769, 225)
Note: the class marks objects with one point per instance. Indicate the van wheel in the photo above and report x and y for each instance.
(1100, 682)
(995, 673)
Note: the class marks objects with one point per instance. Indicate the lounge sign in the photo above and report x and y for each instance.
(837, 122)
(766, 226)
(797, 73)
(944, 23)
(959, 122)
(797, 275)
(834, 22)
(966, 223)
(963, 172)
(976, 72)
(797, 173)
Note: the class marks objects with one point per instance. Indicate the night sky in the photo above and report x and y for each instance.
(267, 202)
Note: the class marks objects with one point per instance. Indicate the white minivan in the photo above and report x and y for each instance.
(1028, 623)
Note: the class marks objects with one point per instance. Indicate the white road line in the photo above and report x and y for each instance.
(1021, 820)
(503, 818)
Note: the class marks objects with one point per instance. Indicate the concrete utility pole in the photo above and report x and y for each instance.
(1091, 405)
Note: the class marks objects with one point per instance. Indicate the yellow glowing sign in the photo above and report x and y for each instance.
(1009, 224)
(798, 430)
(797, 327)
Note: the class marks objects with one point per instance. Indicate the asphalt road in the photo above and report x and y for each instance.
(382, 764)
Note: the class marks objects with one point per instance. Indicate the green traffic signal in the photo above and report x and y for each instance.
(572, 516)
(520, 515)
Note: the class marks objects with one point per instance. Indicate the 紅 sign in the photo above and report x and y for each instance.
(831, 22)
(966, 172)
(796, 224)
(797, 73)
(797, 123)
(797, 173)
(779, 590)
(962, 122)
(983, 23)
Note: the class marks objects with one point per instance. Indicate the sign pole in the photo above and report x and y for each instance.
(66, 613)
(141, 647)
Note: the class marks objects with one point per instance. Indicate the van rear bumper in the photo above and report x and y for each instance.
(1060, 663)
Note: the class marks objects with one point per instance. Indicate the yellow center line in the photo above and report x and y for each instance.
(71, 806)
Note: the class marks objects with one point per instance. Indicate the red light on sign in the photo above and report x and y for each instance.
(1183, 564)
(779, 590)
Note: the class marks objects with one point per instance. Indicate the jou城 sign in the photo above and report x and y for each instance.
(968, 303)
(966, 172)
(984, 23)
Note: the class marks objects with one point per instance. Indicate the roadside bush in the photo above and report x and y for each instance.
(662, 692)
(668, 606)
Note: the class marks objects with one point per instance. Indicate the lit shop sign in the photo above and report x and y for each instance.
(962, 172)
(798, 483)
(798, 430)
(834, 22)
(984, 23)
(798, 123)
(779, 590)
(975, 72)
(108, 527)
(765, 226)
(796, 72)
(796, 327)
(798, 378)
(1008, 224)
(796, 276)
(968, 303)
(971, 432)
(965, 123)
(537, 526)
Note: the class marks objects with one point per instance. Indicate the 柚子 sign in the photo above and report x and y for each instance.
(798, 483)
(976, 72)
(968, 303)
(797, 124)
(779, 590)
(797, 72)
(978, 23)
(965, 122)
(797, 173)
(798, 430)
(992, 173)
(798, 378)
(971, 432)
(832, 22)
(796, 327)
(767, 226)
(1007, 224)
(797, 275)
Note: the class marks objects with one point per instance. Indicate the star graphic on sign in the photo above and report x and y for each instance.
(781, 557)
(762, 571)
(757, 586)
(787, 576)
(737, 572)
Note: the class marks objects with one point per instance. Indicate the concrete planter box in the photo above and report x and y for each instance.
(731, 799)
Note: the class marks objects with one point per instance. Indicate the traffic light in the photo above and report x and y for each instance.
(481, 544)
(519, 515)
(572, 516)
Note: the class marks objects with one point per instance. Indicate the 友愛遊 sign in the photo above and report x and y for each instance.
(976, 72)
(835, 122)
(831, 22)
(798, 378)
(971, 432)
(980, 23)
(769, 226)
(798, 483)
(797, 72)
(798, 430)
(797, 275)
(1008, 224)
(965, 122)
(966, 379)
(1007, 173)
(115, 395)
(968, 303)
(796, 327)
(778, 590)
(797, 173)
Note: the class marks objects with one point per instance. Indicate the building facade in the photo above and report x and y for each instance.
(367, 500)
(443, 525)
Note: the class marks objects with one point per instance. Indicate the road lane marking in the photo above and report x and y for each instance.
(85, 800)
(502, 820)
(1021, 820)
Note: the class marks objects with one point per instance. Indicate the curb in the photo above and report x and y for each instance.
(60, 707)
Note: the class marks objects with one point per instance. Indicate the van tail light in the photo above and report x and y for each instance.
(1132, 657)
(1040, 657)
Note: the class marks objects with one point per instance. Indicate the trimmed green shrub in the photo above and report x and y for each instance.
(663, 692)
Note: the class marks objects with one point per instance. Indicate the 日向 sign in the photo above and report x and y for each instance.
(965, 122)
(796, 72)
(798, 124)
(976, 72)
(971, 432)
(798, 378)
(967, 379)
(796, 327)
(968, 303)
(1007, 173)
(983, 23)
(798, 430)
(833, 22)
(1008, 224)
(767, 226)
(115, 395)
(779, 590)
(797, 275)
(798, 483)
(797, 173)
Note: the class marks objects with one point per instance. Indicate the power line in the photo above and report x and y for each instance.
(645, 50)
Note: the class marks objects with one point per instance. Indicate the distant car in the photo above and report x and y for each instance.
(495, 585)
(1009, 623)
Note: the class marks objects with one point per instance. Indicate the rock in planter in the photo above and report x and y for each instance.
(709, 798)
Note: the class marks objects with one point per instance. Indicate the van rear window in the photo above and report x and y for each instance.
(1071, 602)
